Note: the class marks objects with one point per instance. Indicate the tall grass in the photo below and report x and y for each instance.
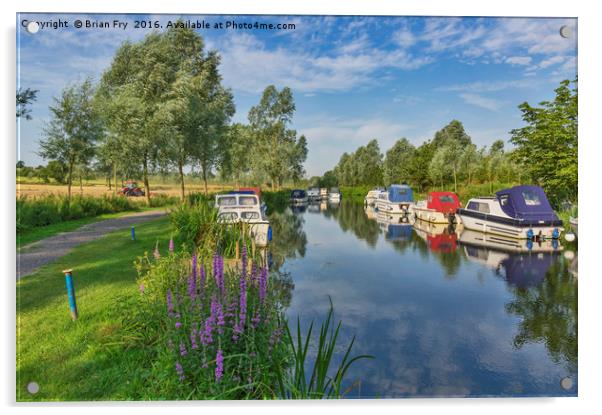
(47, 210)
(323, 381)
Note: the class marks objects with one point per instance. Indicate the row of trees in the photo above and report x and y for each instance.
(545, 152)
(161, 106)
(448, 159)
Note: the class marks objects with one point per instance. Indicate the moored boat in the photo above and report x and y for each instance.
(574, 222)
(439, 207)
(521, 212)
(395, 227)
(372, 196)
(323, 193)
(313, 193)
(398, 198)
(245, 207)
(334, 195)
(438, 237)
(299, 197)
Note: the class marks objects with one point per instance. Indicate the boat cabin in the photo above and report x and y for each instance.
(444, 202)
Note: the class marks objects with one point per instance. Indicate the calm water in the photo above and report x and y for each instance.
(442, 316)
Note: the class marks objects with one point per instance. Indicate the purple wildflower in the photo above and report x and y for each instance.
(242, 303)
(171, 245)
(254, 274)
(141, 287)
(156, 253)
(202, 278)
(219, 365)
(192, 287)
(193, 344)
(220, 319)
(256, 319)
(183, 351)
(263, 284)
(180, 371)
(218, 272)
(194, 265)
(244, 261)
(178, 324)
(169, 303)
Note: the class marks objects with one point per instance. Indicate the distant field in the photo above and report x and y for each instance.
(97, 189)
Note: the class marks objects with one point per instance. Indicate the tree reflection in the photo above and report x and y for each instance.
(351, 217)
(549, 314)
(290, 240)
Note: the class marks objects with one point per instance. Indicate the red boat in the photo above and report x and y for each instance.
(439, 207)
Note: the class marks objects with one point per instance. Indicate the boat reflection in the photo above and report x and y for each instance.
(519, 265)
(438, 237)
(395, 227)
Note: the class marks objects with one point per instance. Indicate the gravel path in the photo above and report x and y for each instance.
(37, 254)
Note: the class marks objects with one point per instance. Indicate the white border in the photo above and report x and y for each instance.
(590, 149)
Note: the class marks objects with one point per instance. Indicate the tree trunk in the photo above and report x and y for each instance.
(81, 185)
(181, 171)
(205, 180)
(69, 180)
(115, 178)
(146, 185)
(455, 182)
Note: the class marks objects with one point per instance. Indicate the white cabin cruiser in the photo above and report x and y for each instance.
(323, 193)
(245, 207)
(396, 199)
(372, 197)
(334, 195)
(313, 193)
(521, 212)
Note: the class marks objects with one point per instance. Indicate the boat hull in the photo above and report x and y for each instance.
(260, 232)
(433, 216)
(400, 208)
(507, 227)
(299, 200)
(492, 241)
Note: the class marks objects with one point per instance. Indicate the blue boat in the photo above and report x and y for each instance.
(397, 198)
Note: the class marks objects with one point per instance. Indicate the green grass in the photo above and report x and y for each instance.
(36, 234)
(92, 358)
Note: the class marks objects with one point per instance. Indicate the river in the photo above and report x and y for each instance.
(443, 313)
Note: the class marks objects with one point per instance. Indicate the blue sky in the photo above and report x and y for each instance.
(354, 78)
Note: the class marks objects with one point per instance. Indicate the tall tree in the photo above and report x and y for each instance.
(397, 165)
(274, 141)
(74, 129)
(452, 131)
(547, 147)
(235, 160)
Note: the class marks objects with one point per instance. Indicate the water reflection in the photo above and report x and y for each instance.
(408, 291)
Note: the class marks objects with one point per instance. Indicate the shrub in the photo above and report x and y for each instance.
(46, 210)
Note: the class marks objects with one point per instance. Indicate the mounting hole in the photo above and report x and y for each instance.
(33, 27)
(33, 387)
(566, 32)
(566, 383)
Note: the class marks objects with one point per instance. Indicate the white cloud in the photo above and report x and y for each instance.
(519, 60)
(484, 86)
(481, 101)
(554, 60)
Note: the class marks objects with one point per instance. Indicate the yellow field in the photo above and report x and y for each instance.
(97, 189)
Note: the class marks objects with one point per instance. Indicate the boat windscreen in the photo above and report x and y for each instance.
(247, 200)
(226, 201)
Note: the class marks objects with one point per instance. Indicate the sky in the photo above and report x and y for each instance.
(354, 78)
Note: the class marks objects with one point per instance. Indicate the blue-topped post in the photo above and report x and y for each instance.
(71, 293)
(133, 232)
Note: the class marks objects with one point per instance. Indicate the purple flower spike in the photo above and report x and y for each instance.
(194, 265)
(171, 245)
(193, 344)
(192, 288)
(218, 272)
(141, 288)
(244, 261)
(263, 284)
(180, 371)
(242, 303)
(169, 303)
(219, 365)
(178, 324)
(183, 351)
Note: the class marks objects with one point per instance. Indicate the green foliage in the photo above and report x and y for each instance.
(397, 167)
(363, 167)
(276, 201)
(547, 147)
(276, 152)
(74, 128)
(46, 210)
(25, 97)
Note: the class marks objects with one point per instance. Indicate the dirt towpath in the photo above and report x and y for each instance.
(40, 253)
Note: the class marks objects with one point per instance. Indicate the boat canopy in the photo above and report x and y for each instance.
(399, 232)
(400, 193)
(298, 194)
(526, 202)
(256, 190)
(446, 202)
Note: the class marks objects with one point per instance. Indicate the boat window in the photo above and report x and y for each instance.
(249, 215)
(446, 199)
(247, 200)
(479, 207)
(226, 201)
(504, 200)
(228, 216)
(531, 198)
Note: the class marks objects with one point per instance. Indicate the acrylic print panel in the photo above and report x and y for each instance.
(237, 177)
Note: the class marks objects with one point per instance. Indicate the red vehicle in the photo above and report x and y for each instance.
(440, 207)
(131, 188)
